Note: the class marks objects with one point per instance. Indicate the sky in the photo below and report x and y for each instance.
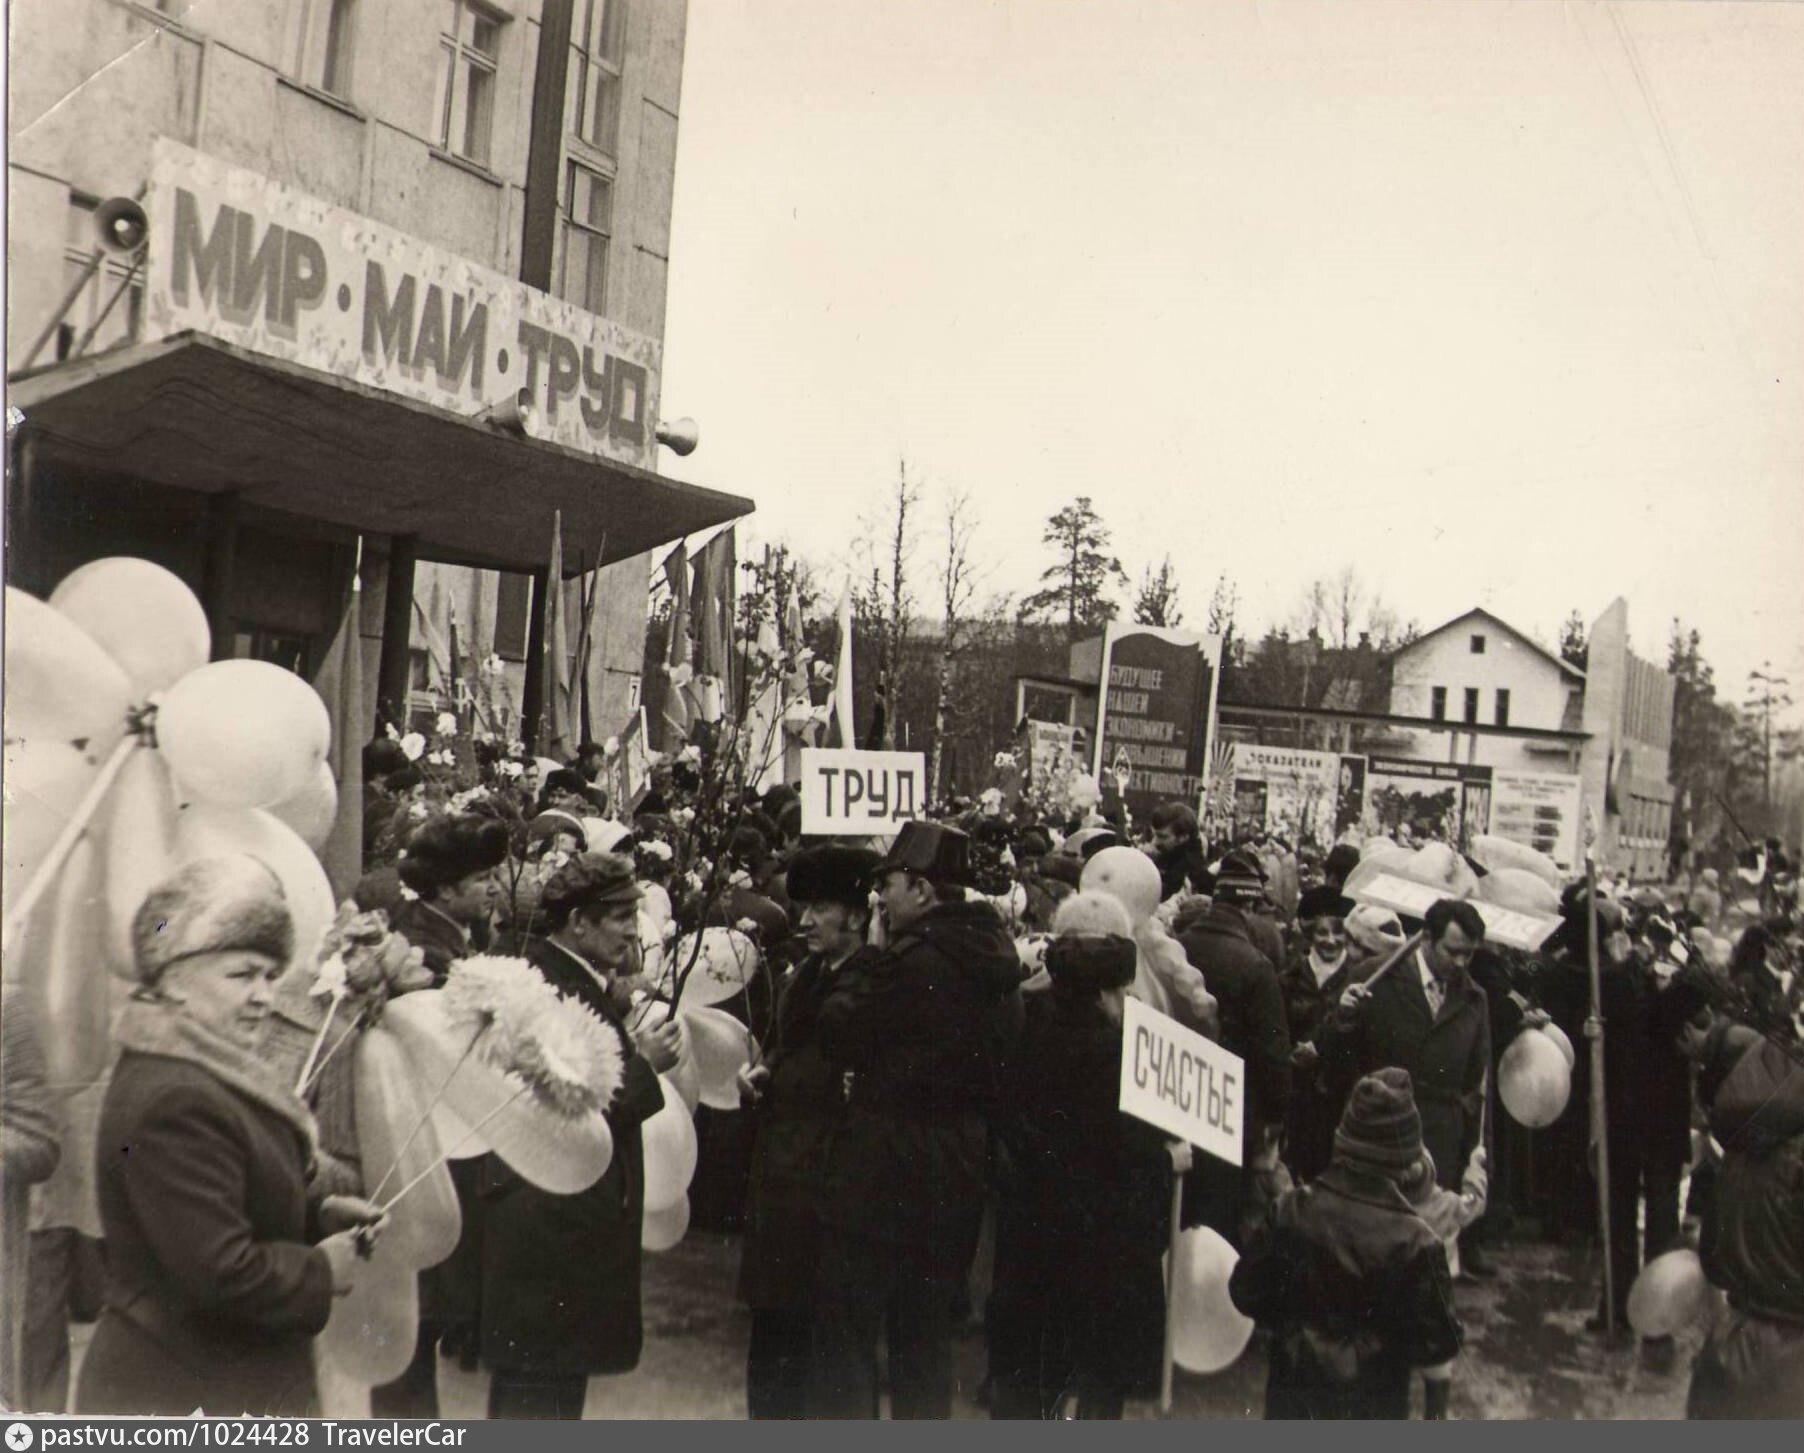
(1501, 304)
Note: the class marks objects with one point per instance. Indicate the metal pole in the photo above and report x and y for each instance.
(1600, 1129)
(1171, 1283)
(81, 344)
(62, 311)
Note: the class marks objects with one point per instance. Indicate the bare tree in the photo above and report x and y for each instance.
(1340, 608)
(885, 606)
(958, 586)
(1156, 602)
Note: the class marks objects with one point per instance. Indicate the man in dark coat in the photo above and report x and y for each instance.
(1178, 850)
(797, 1104)
(1426, 1016)
(1321, 969)
(1351, 1283)
(1076, 1317)
(1217, 938)
(1752, 1363)
(560, 1274)
(925, 1030)
(449, 866)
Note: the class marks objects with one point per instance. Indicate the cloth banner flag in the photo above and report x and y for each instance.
(667, 710)
(340, 685)
(556, 739)
(845, 722)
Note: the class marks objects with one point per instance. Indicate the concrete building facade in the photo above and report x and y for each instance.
(519, 152)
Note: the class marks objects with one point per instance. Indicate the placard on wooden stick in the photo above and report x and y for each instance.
(1187, 1086)
(860, 794)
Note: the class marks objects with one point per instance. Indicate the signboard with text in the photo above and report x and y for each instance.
(1302, 796)
(249, 261)
(1408, 898)
(1156, 714)
(1184, 1084)
(1418, 802)
(1540, 810)
(860, 794)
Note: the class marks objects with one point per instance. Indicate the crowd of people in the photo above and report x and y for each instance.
(930, 1130)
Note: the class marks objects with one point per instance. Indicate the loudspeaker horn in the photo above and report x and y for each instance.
(122, 226)
(680, 436)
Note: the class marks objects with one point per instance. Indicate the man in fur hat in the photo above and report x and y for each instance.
(1349, 1280)
(923, 1030)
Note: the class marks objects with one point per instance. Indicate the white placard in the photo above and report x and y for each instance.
(1410, 899)
(860, 794)
(1186, 1085)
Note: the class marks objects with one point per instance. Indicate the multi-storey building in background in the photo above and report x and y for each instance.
(401, 303)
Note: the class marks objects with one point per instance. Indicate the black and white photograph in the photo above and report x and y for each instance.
(751, 710)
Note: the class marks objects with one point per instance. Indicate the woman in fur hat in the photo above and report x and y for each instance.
(1352, 1284)
(797, 1101)
(221, 1267)
(1076, 1316)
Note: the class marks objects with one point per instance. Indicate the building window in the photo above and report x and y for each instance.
(1478, 645)
(469, 47)
(1472, 704)
(1437, 707)
(589, 211)
(280, 648)
(599, 42)
(327, 31)
(1503, 706)
(100, 301)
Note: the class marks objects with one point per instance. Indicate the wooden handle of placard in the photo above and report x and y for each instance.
(1409, 945)
(1171, 1283)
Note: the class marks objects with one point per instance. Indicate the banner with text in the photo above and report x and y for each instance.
(1419, 802)
(1541, 810)
(1186, 1085)
(860, 794)
(247, 260)
(1301, 796)
(1156, 714)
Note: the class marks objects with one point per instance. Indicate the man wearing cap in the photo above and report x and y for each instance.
(560, 1274)
(923, 1032)
(1321, 969)
(1428, 1017)
(1218, 939)
(1350, 1281)
(796, 1099)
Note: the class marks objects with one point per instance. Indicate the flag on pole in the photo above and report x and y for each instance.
(845, 724)
(667, 720)
(711, 603)
(340, 685)
(556, 739)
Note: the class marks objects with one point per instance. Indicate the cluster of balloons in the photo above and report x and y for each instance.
(233, 759)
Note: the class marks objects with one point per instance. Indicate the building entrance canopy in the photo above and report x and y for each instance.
(195, 413)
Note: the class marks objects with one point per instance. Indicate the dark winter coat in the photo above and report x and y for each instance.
(802, 1105)
(560, 1274)
(1185, 866)
(440, 942)
(926, 1029)
(1355, 1290)
(214, 1288)
(1448, 1056)
(1084, 1212)
(1752, 1364)
(1218, 942)
(1318, 1091)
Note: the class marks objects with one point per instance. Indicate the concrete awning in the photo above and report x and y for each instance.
(194, 413)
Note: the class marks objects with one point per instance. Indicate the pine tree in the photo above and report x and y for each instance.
(1075, 584)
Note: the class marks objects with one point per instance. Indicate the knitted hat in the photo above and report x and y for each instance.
(211, 905)
(1380, 1130)
(589, 880)
(1091, 962)
(1239, 878)
(446, 850)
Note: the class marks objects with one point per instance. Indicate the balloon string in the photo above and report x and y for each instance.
(46, 871)
(300, 1085)
(461, 1141)
(338, 1044)
(431, 1104)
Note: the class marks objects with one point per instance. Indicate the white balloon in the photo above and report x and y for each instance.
(59, 682)
(370, 1336)
(722, 1047)
(45, 782)
(205, 831)
(137, 831)
(1533, 1080)
(141, 615)
(1129, 877)
(1210, 1331)
(726, 965)
(391, 1099)
(243, 733)
(311, 811)
(1560, 1042)
(1519, 889)
(1669, 1294)
(661, 1230)
(671, 1151)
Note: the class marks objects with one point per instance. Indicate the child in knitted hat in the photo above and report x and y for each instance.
(1447, 1213)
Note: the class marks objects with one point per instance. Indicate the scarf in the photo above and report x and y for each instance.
(1323, 969)
(157, 1026)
